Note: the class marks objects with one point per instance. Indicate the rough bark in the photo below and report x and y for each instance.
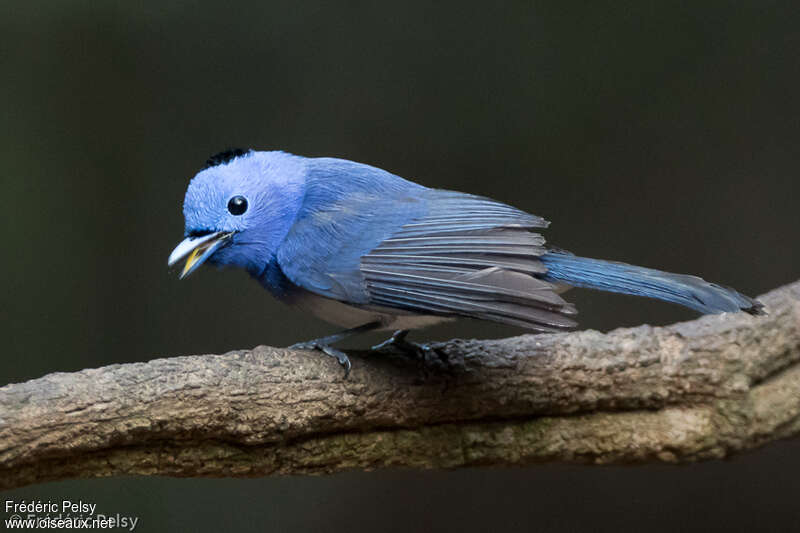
(695, 390)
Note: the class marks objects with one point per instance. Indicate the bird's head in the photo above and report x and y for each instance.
(238, 209)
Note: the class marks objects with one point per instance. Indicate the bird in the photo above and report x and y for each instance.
(364, 249)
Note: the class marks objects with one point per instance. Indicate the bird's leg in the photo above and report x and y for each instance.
(397, 340)
(323, 344)
(421, 350)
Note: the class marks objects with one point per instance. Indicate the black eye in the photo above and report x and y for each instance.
(237, 205)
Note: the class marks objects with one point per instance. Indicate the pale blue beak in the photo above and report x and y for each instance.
(198, 249)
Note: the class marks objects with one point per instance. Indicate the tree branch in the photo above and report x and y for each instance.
(690, 391)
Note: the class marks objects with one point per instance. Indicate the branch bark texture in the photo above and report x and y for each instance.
(695, 390)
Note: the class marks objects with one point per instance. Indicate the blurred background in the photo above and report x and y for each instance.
(647, 132)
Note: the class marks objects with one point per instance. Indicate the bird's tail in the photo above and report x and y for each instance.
(689, 291)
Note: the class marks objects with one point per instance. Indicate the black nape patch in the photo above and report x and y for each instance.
(224, 157)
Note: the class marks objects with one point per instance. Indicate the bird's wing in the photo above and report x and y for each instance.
(348, 209)
(468, 256)
(369, 238)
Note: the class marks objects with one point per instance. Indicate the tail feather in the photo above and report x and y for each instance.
(689, 291)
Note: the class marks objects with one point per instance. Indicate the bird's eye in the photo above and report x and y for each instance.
(237, 205)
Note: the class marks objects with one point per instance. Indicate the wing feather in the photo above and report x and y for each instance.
(468, 256)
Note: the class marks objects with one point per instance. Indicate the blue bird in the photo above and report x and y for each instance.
(367, 250)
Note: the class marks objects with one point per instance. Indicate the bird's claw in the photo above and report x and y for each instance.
(388, 343)
(339, 355)
(420, 350)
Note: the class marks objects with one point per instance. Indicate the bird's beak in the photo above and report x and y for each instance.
(198, 249)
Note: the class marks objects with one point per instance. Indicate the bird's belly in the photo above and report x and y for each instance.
(350, 316)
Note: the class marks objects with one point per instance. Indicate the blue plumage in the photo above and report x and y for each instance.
(348, 209)
(366, 249)
(689, 291)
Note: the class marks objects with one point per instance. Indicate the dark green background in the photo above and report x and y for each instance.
(652, 133)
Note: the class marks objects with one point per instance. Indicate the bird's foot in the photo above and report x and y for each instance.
(420, 350)
(316, 344)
